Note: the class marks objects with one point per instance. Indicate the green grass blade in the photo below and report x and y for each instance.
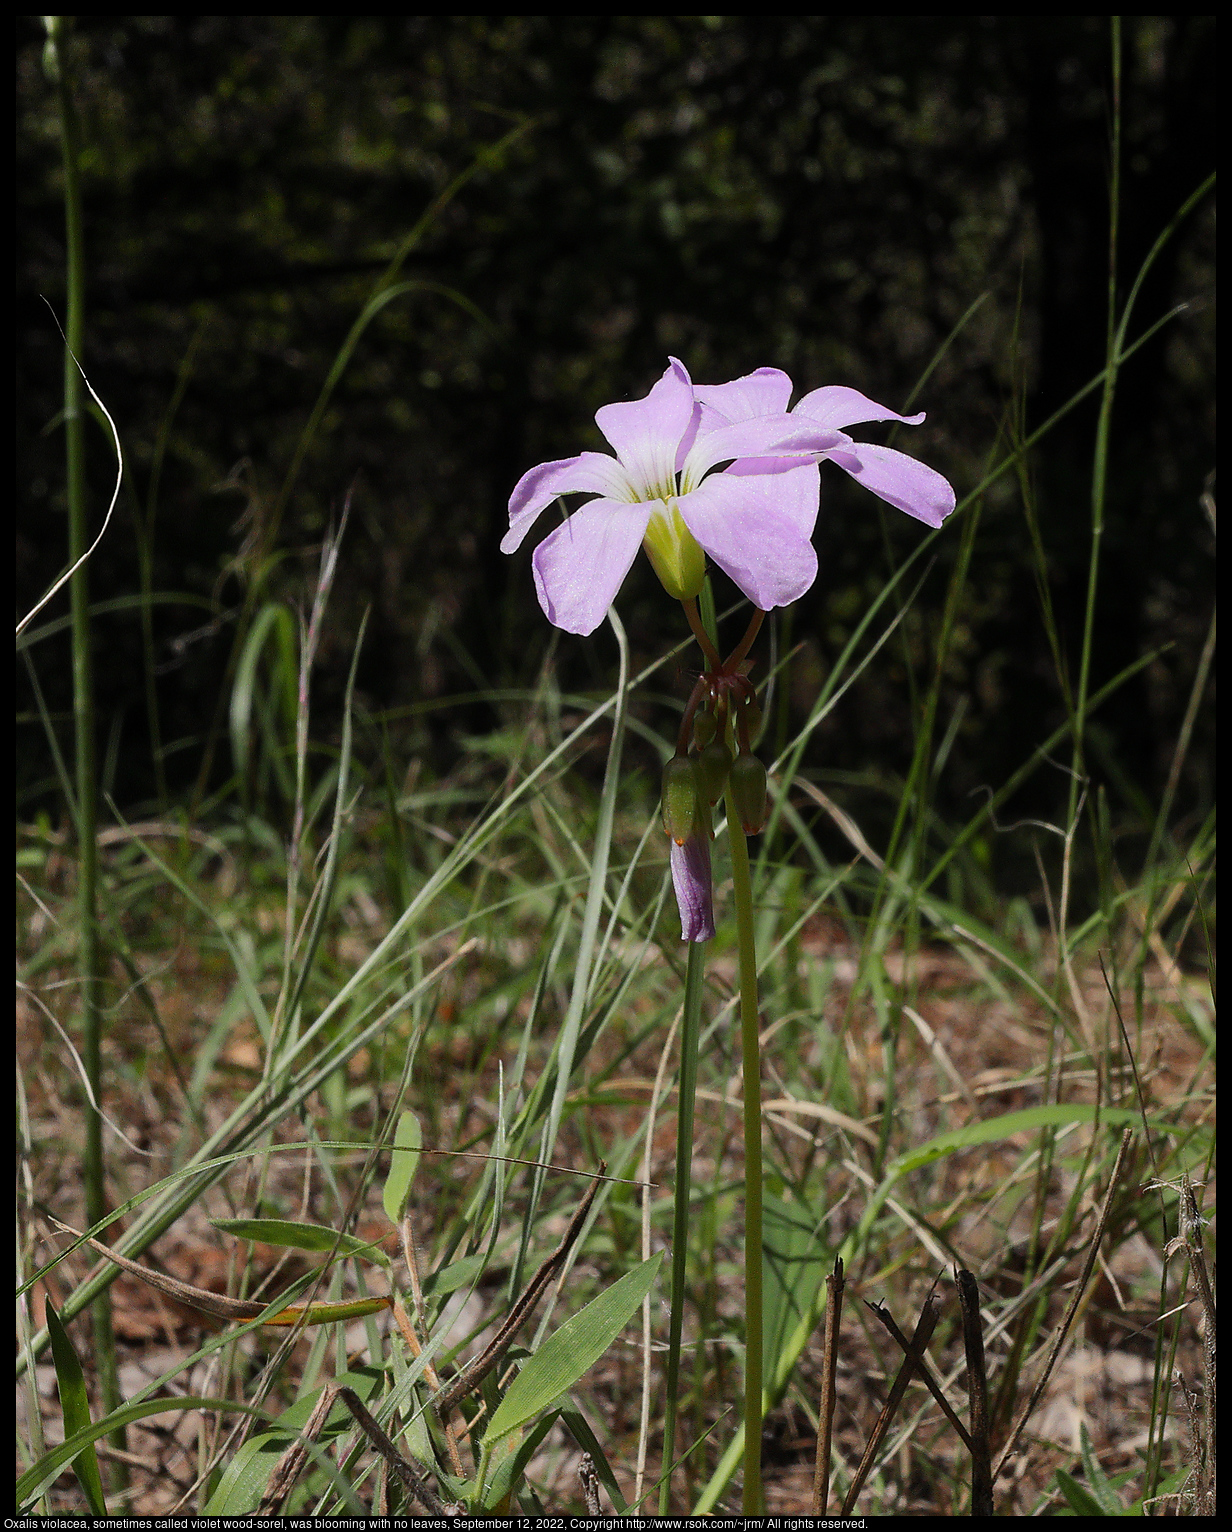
(572, 1350)
(324, 891)
(583, 974)
(273, 621)
(403, 1163)
(1077, 1496)
(1100, 1485)
(75, 1403)
(289, 1235)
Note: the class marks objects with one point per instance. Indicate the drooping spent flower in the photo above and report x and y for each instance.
(694, 888)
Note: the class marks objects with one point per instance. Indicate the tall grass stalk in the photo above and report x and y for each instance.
(89, 962)
(1099, 474)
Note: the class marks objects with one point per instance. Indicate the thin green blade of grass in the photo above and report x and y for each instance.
(35, 1480)
(511, 1467)
(323, 893)
(75, 1404)
(290, 1235)
(572, 1350)
(403, 1164)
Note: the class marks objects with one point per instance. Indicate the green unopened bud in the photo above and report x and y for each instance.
(713, 764)
(681, 794)
(704, 726)
(748, 789)
(752, 716)
(675, 553)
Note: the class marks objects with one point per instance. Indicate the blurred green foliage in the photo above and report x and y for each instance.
(828, 195)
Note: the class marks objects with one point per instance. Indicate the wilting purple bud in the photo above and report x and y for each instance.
(694, 890)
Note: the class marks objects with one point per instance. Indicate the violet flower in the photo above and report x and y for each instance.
(754, 517)
(725, 470)
(906, 484)
(660, 490)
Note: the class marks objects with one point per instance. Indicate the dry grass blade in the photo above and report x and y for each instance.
(218, 1306)
(915, 1349)
(977, 1390)
(476, 1371)
(1088, 1266)
(1203, 1422)
(829, 1365)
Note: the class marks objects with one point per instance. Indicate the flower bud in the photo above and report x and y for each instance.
(694, 891)
(713, 764)
(704, 726)
(748, 789)
(752, 715)
(681, 794)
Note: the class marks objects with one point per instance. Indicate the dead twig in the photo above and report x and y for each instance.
(916, 1347)
(1189, 1241)
(829, 1398)
(925, 1372)
(977, 1391)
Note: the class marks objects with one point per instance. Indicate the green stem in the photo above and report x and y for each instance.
(1099, 477)
(751, 1054)
(707, 645)
(694, 979)
(83, 714)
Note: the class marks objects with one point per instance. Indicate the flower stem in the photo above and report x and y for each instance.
(746, 643)
(685, 733)
(694, 980)
(699, 633)
(751, 1054)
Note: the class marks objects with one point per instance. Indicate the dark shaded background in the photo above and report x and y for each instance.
(825, 195)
